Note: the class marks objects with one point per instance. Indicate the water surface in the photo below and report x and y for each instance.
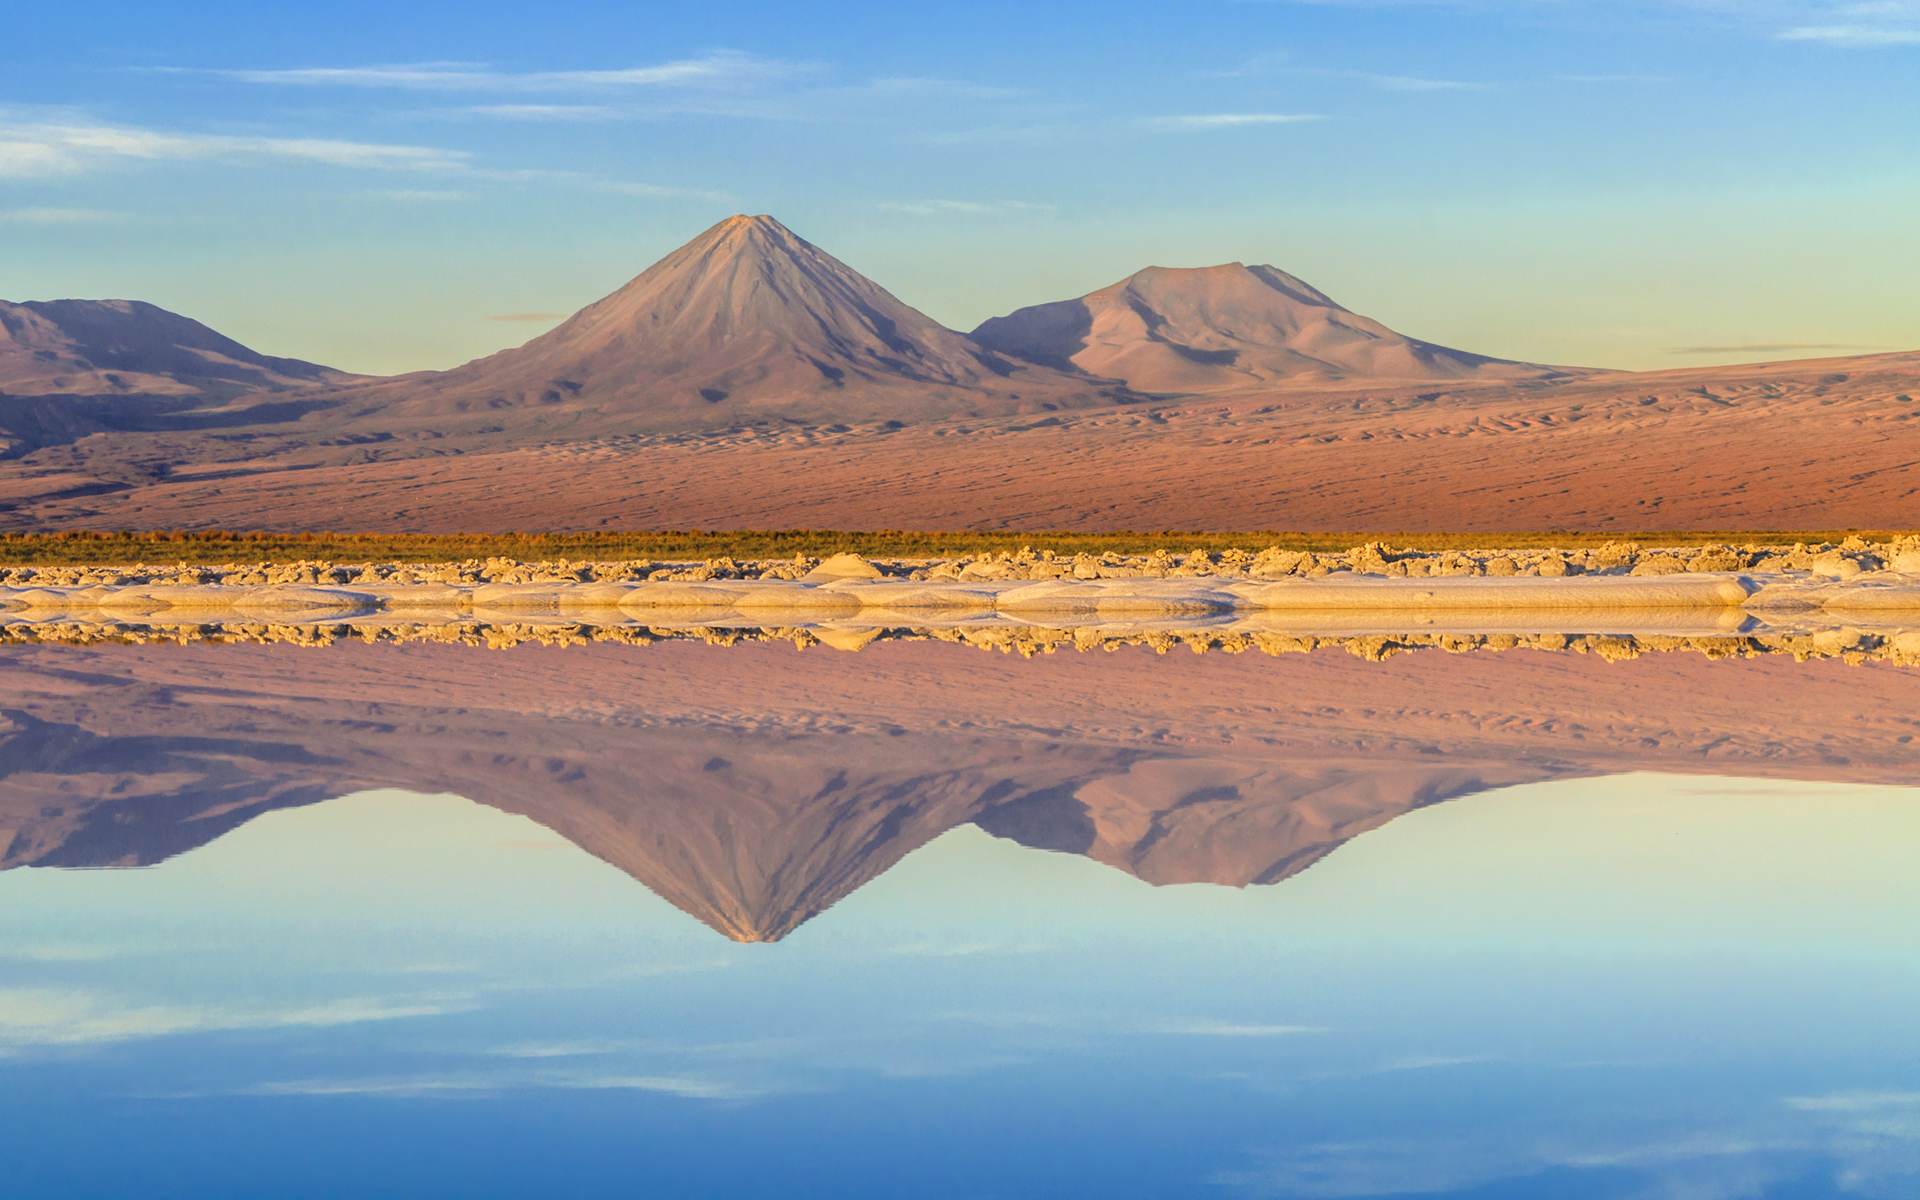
(921, 920)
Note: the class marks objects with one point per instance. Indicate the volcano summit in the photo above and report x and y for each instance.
(749, 321)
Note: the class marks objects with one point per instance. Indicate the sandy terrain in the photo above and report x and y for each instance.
(1811, 445)
(753, 785)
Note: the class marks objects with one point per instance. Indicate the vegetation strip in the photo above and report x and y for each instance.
(204, 547)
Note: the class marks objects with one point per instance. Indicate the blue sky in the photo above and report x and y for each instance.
(1637, 185)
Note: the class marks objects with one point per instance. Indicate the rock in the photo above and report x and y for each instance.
(846, 566)
(1718, 558)
(1616, 554)
(1502, 566)
(1835, 565)
(1659, 566)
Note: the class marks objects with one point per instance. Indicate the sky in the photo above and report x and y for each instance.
(382, 188)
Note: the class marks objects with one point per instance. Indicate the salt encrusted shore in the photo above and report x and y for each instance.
(1366, 584)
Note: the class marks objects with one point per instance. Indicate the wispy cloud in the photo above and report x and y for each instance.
(53, 148)
(484, 1083)
(1226, 120)
(413, 195)
(1853, 36)
(1429, 1062)
(1231, 1029)
(55, 1017)
(58, 952)
(945, 88)
(555, 1049)
(1282, 63)
(548, 112)
(928, 208)
(1770, 348)
(1854, 1101)
(44, 149)
(655, 191)
(719, 69)
(1415, 83)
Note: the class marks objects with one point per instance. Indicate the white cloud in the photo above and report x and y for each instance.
(1228, 120)
(1229, 1029)
(43, 149)
(1414, 83)
(554, 1049)
(1854, 1101)
(58, 951)
(1612, 79)
(1852, 35)
(928, 208)
(654, 191)
(725, 68)
(689, 1087)
(547, 112)
(56, 1017)
(943, 88)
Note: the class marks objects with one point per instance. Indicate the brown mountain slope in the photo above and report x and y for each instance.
(115, 347)
(745, 321)
(753, 785)
(1230, 328)
(70, 368)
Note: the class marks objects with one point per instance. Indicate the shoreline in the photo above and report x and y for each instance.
(1853, 644)
(847, 595)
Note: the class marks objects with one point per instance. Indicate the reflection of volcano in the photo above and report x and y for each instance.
(753, 786)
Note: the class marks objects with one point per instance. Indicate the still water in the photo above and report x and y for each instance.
(709, 920)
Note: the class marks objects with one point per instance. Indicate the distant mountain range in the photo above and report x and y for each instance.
(117, 347)
(1226, 397)
(749, 321)
(1177, 331)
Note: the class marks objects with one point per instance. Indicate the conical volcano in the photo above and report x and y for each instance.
(749, 320)
(1228, 328)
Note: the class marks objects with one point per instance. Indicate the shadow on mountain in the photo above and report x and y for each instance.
(29, 423)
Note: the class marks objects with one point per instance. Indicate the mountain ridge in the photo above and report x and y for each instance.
(746, 321)
(117, 347)
(1231, 327)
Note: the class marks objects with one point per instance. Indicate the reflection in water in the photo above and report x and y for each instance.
(1665, 949)
(753, 786)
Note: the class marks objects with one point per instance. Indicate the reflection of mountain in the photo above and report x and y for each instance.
(753, 786)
